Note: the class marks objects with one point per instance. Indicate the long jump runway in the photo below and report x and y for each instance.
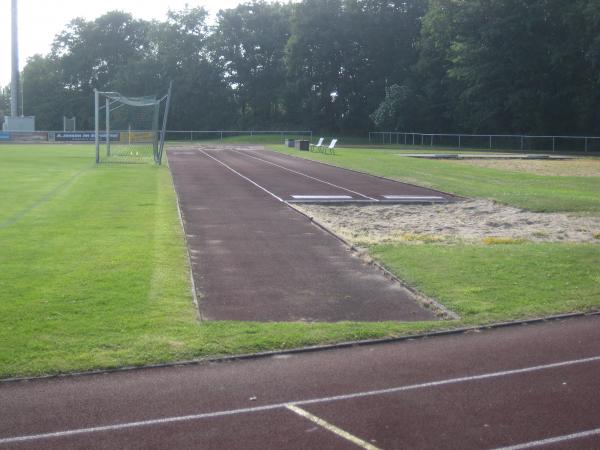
(255, 259)
(521, 387)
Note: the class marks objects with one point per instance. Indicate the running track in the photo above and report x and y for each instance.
(256, 259)
(297, 180)
(533, 386)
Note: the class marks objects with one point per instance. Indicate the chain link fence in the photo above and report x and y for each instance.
(219, 135)
(171, 135)
(526, 143)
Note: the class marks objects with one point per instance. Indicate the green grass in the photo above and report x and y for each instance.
(524, 190)
(93, 273)
(486, 283)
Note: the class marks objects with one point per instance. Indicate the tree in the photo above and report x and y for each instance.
(382, 50)
(510, 65)
(355, 48)
(4, 103)
(395, 111)
(44, 94)
(201, 99)
(248, 45)
(314, 58)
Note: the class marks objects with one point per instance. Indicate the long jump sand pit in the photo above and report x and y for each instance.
(576, 167)
(471, 221)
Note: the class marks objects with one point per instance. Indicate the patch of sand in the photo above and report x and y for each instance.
(472, 221)
(588, 167)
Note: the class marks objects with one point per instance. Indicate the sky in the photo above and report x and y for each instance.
(41, 20)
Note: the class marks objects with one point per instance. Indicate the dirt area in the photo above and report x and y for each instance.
(472, 221)
(588, 167)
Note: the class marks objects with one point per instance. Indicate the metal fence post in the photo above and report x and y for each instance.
(97, 124)
(586, 145)
(553, 144)
(490, 142)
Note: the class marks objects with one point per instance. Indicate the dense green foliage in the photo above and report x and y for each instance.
(527, 66)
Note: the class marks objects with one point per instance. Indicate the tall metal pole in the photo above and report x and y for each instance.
(164, 125)
(107, 126)
(14, 82)
(97, 123)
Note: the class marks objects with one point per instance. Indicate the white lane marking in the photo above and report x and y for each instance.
(449, 381)
(232, 412)
(553, 440)
(142, 423)
(329, 427)
(307, 176)
(413, 197)
(322, 197)
(243, 176)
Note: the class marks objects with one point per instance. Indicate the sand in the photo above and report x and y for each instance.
(472, 221)
(588, 167)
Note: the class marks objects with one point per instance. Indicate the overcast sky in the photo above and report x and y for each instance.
(41, 20)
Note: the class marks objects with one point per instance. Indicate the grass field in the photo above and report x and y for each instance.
(492, 282)
(93, 267)
(521, 189)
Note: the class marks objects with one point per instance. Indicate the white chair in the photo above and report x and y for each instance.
(331, 147)
(318, 145)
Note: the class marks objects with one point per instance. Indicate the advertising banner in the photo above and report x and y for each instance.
(28, 136)
(83, 136)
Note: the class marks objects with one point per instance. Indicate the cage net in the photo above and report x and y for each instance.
(128, 129)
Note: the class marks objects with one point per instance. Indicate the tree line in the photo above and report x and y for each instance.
(338, 66)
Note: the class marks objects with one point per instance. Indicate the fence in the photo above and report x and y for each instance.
(89, 136)
(489, 141)
(220, 135)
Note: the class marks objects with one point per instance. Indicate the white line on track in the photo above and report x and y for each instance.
(243, 176)
(553, 440)
(322, 197)
(413, 197)
(307, 176)
(329, 427)
(175, 419)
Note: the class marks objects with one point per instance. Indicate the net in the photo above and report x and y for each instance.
(130, 129)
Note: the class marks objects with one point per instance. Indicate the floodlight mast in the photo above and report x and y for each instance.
(14, 82)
